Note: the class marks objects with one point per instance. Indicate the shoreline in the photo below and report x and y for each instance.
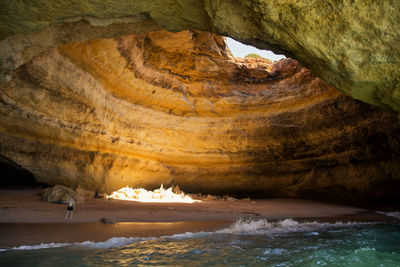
(27, 220)
(28, 234)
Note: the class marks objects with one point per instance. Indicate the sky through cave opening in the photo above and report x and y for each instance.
(241, 50)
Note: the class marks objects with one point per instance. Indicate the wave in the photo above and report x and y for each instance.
(257, 227)
(113, 242)
(41, 246)
(241, 227)
(395, 214)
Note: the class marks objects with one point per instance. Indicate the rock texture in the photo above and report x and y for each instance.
(352, 45)
(60, 194)
(159, 107)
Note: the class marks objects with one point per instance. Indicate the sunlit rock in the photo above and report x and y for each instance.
(60, 194)
(177, 109)
(352, 45)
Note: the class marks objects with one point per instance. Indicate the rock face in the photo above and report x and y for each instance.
(60, 194)
(177, 108)
(352, 45)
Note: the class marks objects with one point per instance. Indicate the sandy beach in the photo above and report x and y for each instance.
(27, 220)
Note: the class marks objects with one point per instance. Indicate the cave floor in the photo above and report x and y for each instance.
(25, 218)
(25, 206)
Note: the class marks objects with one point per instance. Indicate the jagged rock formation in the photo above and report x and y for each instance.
(352, 45)
(159, 107)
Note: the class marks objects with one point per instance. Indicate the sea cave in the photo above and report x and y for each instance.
(99, 95)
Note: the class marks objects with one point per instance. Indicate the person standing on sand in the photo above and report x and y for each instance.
(70, 208)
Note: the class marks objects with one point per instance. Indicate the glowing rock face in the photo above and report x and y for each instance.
(158, 195)
(159, 107)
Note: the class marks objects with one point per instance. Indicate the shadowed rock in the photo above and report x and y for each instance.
(106, 221)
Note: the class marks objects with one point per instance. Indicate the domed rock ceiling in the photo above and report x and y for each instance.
(177, 108)
(147, 106)
(352, 45)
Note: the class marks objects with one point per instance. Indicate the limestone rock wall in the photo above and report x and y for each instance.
(352, 45)
(160, 107)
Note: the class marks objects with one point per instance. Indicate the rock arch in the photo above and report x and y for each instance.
(104, 113)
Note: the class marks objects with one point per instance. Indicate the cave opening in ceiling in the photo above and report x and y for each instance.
(99, 95)
(158, 107)
(242, 50)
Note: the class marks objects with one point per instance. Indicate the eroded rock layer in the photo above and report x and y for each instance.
(352, 45)
(159, 107)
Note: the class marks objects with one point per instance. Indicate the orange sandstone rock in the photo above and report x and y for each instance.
(178, 108)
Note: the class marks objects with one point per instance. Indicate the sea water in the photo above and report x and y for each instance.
(245, 243)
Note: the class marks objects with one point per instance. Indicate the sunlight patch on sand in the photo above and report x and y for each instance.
(158, 195)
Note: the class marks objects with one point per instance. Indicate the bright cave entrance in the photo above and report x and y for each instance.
(241, 50)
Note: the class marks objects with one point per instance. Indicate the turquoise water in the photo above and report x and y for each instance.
(246, 243)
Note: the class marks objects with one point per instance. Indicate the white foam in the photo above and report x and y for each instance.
(260, 227)
(395, 214)
(256, 227)
(113, 242)
(188, 235)
(41, 246)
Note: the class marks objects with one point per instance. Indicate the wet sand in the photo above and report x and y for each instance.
(27, 220)
(17, 234)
